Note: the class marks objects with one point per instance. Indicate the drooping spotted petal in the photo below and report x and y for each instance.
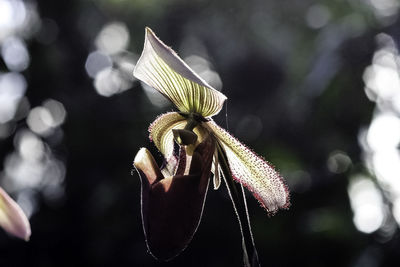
(12, 218)
(161, 132)
(161, 68)
(253, 172)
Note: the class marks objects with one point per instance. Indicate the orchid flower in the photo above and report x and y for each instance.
(173, 197)
(12, 218)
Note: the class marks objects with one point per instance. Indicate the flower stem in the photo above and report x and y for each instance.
(250, 256)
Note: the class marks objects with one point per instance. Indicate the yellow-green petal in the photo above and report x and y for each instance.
(12, 218)
(161, 68)
(252, 171)
(161, 132)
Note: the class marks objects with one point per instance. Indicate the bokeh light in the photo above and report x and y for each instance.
(12, 17)
(31, 168)
(44, 119)
(15, 54)
(249, 128)
(367, 204)
(113, 38)
(380, 142)
(338, 162)
(111, 66)
(96, 62)
(385, 10)
(317, 16)
(12, 89)
(110, 81)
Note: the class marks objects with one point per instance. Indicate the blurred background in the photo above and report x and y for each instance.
(313, 86)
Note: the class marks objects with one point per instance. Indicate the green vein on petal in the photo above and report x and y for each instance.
(161, 68)
(253, 172)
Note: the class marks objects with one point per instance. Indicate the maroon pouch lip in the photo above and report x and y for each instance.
(172, 207)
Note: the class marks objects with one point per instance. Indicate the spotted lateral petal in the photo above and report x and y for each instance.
(161, 68)
(161, 132)
(12, 218)
(253, 172)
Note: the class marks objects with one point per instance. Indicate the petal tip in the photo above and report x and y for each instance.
(23, 231)
(140, 156)
(27, 234)
(149, 32)
(12, 219)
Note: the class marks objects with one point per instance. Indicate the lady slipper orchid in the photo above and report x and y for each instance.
(12, 218)
(172, 197)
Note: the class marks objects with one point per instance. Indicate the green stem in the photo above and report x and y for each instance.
(250, 256)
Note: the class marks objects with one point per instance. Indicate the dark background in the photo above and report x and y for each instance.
(293, 74)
